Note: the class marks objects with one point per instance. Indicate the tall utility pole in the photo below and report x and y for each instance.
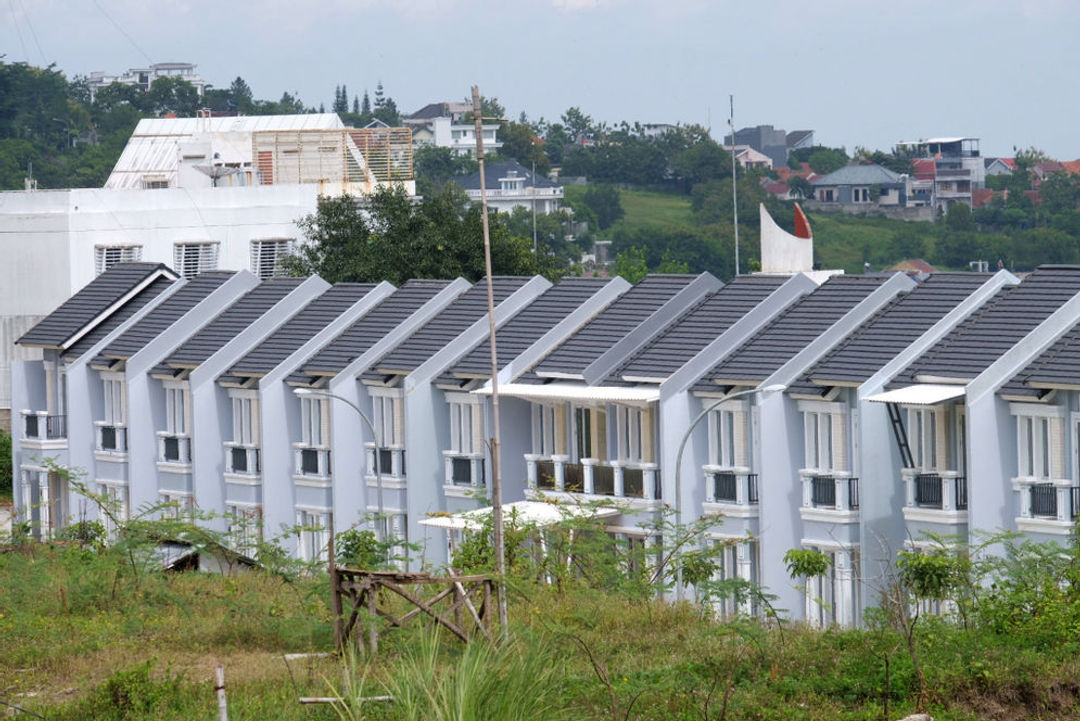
(734, 181)
(496, 481)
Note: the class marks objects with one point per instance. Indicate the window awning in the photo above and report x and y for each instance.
(533, 513)
(924, 394)
(576, 392)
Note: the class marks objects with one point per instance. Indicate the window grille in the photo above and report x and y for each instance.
(190, 259)
(106, 256)
(266, 256)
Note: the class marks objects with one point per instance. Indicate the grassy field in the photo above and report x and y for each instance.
(84, 637)
(646, 209)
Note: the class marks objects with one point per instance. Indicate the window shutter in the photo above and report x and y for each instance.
(839, 441)
(1057, 448)
(738, 433)
(560, 429)
(324, 421)
(599, 432)
(648, 437)
(399, 422)
(941, 436)
(477, 414)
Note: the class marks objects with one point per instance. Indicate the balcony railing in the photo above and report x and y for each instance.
(728, 485)
(242, 459)
(725, 486)
(464, 469)
(311, 461)
(173, 448)
(944, 490)
(835, 491)
(111, 438)
(1049, 500)
(619, 479)
(391, 460)
(40, 426)
(1044, 500)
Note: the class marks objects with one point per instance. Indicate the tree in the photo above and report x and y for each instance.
(173, 95)
(434, 166)
(825, 160)
(701, 162)
(578, 125)
(604, 200)
(522, 145)
(241, 95)
(341, 99)
(491, 110)
(631, 265)
(800, 187)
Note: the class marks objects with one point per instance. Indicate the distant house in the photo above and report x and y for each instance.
(440, 124)
(143, 78)
(958, 168)
(511, 185)
(999, 166)
(862, 184)
(747, 157)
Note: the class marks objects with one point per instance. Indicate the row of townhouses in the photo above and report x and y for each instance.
(856, 415)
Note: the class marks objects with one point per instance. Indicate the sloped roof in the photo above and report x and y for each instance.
(495, 171)
(677, 344)
(359, 337)
(441, 330)
(1000, 324)
(526, 327)
(118, 318)
(299, 329)
(889, 331)
(859, 175)
(164, 315)
(83, 311)
(1058, 365)
(153, 148)
(793, 329)
(629, 311)
(229, 323)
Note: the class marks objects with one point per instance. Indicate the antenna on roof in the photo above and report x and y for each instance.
(734, 181)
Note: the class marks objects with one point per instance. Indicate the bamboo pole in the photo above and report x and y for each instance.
(496, 482)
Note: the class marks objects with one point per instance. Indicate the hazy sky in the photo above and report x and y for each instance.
(857, 72)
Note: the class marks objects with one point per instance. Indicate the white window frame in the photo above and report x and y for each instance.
(119, 497)
(388, 417)
(114, 393)
(245, 525)
(549, 429)
(728, 436)
(466, 424)
(106, 256)
(595, 441)
(194, 257)
(245, 405)
(636, 440)
(177, 408)
(313, 529)
(315, 422)
(267, 253)
(928, 434)
(824, 436)
(1040, 441)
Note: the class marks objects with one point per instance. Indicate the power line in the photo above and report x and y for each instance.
(15, 22)
(33, 34)
(123, 32)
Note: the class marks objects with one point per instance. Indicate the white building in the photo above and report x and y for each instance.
(197, 194)
(511, 185)
(145, 77)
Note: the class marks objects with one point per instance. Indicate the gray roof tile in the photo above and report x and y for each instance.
(355, 340)
(701, 325)
(526, 327)
(629, 310)
(117, 318)
(96, 297)
(889, 331)
(1058, 365)
(301, 328)
(996, 327)
(231, 322)
(164, 315)
(793, 329)
(441, 330)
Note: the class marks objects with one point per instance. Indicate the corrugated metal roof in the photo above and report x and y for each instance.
(164, 315)
(996, 327)
(690, 334)
(923, 394)
(794, 329)
(301, 328)
(68, 322)
(231, 322)
(576, 392)
(629, 311)
(153, 148)
(369, 330)
(441, 330)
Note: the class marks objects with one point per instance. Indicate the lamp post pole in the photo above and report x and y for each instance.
(767, 390)
(320, 393)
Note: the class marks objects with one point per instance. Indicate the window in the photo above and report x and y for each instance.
(388, 420)
(106, 256)
(155, 182)
(549, 429)
(245, 422)
(190, 259)
(115, 497)
(177, 505)
(176, 409)
(1040, 442)
(825, 436)
(635, 431)
(727, 436)
(115, 405)
(315, 422)
(466, 428)
(245, 526)
(927, 436)
(736, 560)
(590, 433)
(266, 256)
(313, 528)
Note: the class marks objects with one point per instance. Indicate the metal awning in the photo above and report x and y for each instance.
(924, 394)
(576, 392)
(533, 513)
